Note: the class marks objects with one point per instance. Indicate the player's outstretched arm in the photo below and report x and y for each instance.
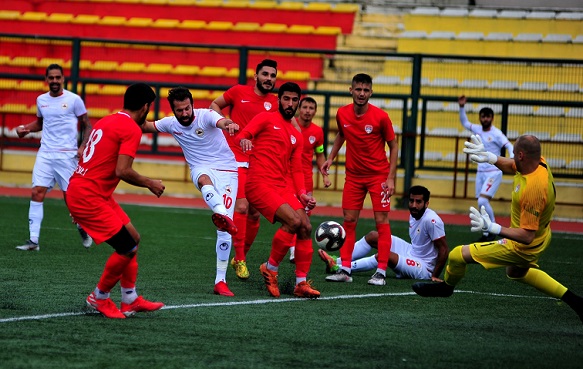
(126, 173)
(34, 126)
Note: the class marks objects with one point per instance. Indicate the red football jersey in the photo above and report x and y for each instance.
(245, 104)
(277, 150)
(366, 139)
(114, 135)
(313, 137)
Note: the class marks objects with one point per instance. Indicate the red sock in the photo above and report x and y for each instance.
(279, 246)
(114, 267)
(384, 245)
(251, 233)
(130, 274)
(304, 252)
(240, 221)
(348, 248)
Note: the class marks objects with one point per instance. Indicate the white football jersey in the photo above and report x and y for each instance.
(60, 121)
(423, 232)
(494, 140)
(202, 142)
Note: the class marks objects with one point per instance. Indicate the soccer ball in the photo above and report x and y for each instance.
(330, 236)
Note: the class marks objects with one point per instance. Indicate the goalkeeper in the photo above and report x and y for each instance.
(529, 234)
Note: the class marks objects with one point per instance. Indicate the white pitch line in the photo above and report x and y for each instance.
(265, 301)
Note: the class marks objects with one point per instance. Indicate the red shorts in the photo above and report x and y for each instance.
(100, 217)
(242, 173)
(267, 198)
(356, 188)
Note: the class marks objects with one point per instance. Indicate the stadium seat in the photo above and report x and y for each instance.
(578, 39)
(566, 87)
(246, 26)
(9, 15)
(528, 37)
(546, 15)
(24, 61)
(28, 85)
(33, 16)
(498, 36)
(550, 111)
(131, 67)
(556, 162)
(574, 113)
(165, 23)
(109, 20)
(454, 12)
(568, 137)
(542, 136)
(520, 110)
(413, 34)
(85, 19)
(504, 85)
(104, 65)
(557, 37)
(158, 68)
(139, 22)
(219, 26)
(575, 164)
(444, 131)
(474, 83)
(483, 13)
(570, 16)
(441, 35)
(444, 82)
(185, 69)
(534, 86)
(517, 14)
(425, 11)
(60, 18)
(470, 36)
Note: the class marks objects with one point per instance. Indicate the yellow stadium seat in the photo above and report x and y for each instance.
(90, 89)
(246, 26)
(236, 4)
(300, 29)
(273, 28)
(97, 112)
(129, 1)
(60, 18)
(112, 90)
(233, 72)
(296, 75)
(263, 5)
(24, 61)
(189, 70)
(8, 84)
(345, 8)
(158, 68)
(165, 23)
(5, 60)
(291, 5)
(219, 26)
(14, 108)
(200, 94)
(139, 22)
(326, 30)
(109, 20)
(44, 62)
(85, 19)
(84, 64)
(104, 65)
(182, 2)
(318, 7)
(33, 16)
(131, 67)
(213, 95)
(213, 71)
(192, 24)
(157, 2)
(209, 3)
(9, 14)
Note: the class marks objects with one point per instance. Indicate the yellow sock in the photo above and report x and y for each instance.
(456, 267)
(543, 282)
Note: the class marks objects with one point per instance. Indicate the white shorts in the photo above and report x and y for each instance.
(487, 183)
(47, 171)
(225, 183)
(408, 266)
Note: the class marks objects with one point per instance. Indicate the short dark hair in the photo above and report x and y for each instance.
(266, 63)
(179, 94)
(487, 112)
(310, 100)
(54, 66)
(362, 78)
(291, 87)
(420, 190)
(138, 95)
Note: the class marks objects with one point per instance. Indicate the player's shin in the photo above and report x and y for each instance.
(252, 228)
(303, 257)
(543, 282)
(348, 247)
(240, 221)
(128, 281)
(384, 245)
(456, 267)
(223, 249)
(112, 273)
(280, 246)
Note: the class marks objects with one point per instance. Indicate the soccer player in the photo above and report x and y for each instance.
(212, 166)
(423, 258)
(59, 114)
(275, 150)
(366, 129)
(313, 144)
(529, 234)
(107, 159)
(488, 177)
(244, 103)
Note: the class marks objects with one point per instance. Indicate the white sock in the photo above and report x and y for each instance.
(100, 295)
(213, 199)
(383, 272)
(300, 280)
(223, 250)
(361, 249)
(128, 295)
(364, 264)
(35, 218)
(272, 268)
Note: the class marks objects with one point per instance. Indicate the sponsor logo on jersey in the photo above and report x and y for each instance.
(312, 139)
(228, 190)
(64, 106)
(293, 139)
(244, 101)
(276, 127)
(267, 105)
(346, 125)
(368, 128)
(177, 133)
(199, 132)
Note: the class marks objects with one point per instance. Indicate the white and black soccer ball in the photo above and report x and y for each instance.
(330, 236)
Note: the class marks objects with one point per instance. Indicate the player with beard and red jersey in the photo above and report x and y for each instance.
(275, 149)
(313, 144)
(107, 159)
(366, 129)
(244, 103)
